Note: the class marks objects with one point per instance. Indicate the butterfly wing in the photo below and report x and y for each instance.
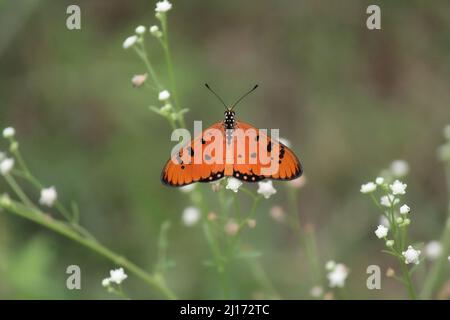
(287, 166)
(181, 169)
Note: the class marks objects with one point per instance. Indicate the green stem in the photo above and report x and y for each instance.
(407, 280)
(59, 206)
(307, 240)
(435, 274)
(143, 55)
(19, 192)
(61, 228)
(169, 64)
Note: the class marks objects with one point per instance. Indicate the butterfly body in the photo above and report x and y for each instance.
(238, 158)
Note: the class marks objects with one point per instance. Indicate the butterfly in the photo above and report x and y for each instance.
(231, 148)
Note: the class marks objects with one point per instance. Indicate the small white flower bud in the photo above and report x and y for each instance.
(164, 95)
(140, 30)
(129, 42)
(9, 132)
(368, 187)
(404, 209)
(6, 166)
(390, 243)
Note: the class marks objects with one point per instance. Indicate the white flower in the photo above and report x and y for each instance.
(48, 196)
(191, 215)
(285, 141)
(379, 180)
(164, 95)
(154, 29)
(404, 209)
(9, 132)
(337, 276)
(106, 282)
(384, 221)
(188, 188)
(233, 184)
(433, 250)
(266, 189)
(381, 231)
(398, 187)
(368, 187)
(399, 168)
(388, 201)
(447, 132)
(316, 291)
(330, 265)
(140, 30)
(411, 255)
(117, 276)
(129, 42)
(390, 243)
(163, 6)
(6, 166)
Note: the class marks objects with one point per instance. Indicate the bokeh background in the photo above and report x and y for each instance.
(350, 100)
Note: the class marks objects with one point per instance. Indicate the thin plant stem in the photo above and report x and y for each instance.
(307, 239)
(435, 274)
(61, 228)
(169, 64)
(19, 192)
(407, 280)
(59, 206)
(143, 55)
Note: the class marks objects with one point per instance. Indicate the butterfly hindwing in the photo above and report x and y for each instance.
(288, 168)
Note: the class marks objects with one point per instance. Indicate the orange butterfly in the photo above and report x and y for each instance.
(231, 148)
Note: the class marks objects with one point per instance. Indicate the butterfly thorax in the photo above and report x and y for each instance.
(229, 122)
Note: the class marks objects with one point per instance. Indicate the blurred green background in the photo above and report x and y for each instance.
(350, 100)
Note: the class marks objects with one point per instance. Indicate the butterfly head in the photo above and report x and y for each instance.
(229, 120)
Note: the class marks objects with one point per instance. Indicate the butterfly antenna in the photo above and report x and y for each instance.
(246, 94)
(218, 97)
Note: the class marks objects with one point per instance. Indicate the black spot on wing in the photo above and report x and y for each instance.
(247, 177)
(213, 177)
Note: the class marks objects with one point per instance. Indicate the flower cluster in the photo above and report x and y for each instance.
(395, 213)
(161, 8)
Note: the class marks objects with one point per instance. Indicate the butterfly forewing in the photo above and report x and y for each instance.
(245, 153)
